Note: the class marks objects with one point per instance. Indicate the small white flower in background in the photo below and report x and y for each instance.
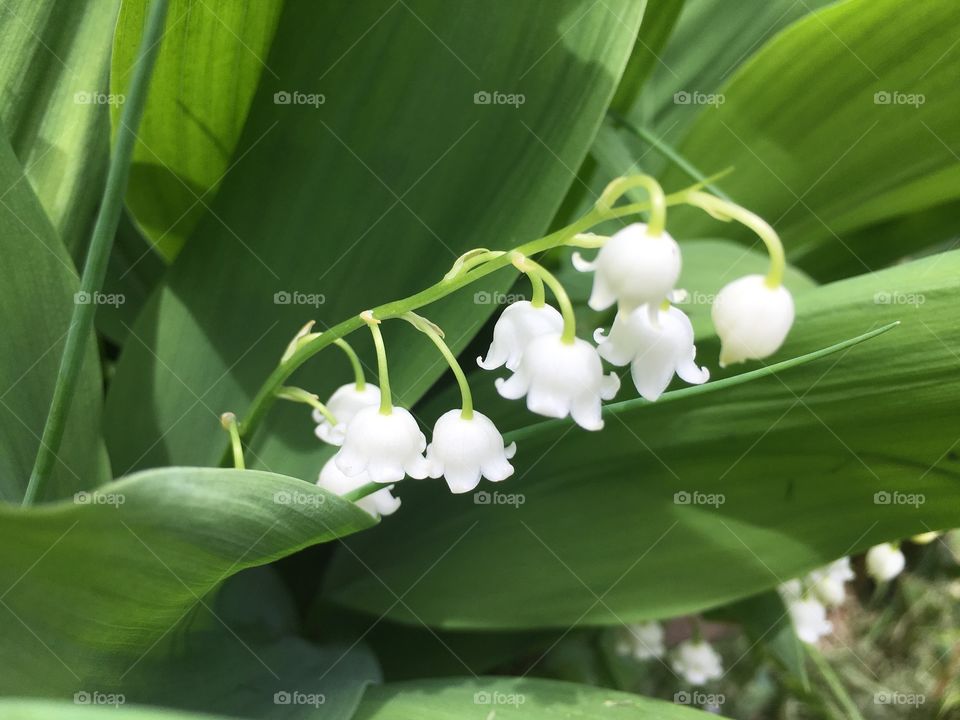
(809, 618)
(884, 562)
(641, 642)
(829, 582)
(464, 450)
(632, 269)
(561, 379)
(791, 590)
(925, 538)
(386, 447)
(697, 662)
(751, 318)
(517, 325)
(345, 402)
(657, 344)
(379, 503)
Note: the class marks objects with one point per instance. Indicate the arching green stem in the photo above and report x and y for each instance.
(432, 332)
(658, 201)
(229, 422)
(534, 269)
(306, 349)
(539, 297)
(295, 394)
(386, 401)
(359, 379)
(727, 211)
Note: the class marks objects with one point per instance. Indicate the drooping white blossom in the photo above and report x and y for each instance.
(343, 404)
(657, 344)
(809, 618)
(463, 450)
(517, 325)
(751, 318)
(697, 662)
(385, 446)
(381, 502)
(885, 562)
(641, 641)
(632, 269)
(828, 583)
(561, 379)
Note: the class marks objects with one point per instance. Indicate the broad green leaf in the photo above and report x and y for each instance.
(595, 528)
(659, 19)
(39, 283)
(92, 585)
(327, 205)
(28, 709)
(860, 132)
(54, 98)
(211, 60)
(512, 698)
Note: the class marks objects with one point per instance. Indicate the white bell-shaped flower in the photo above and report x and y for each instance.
(751, 318)
(657, 344)
(463, 450)
(809, 618)
(517, 325)
(381, 502)
(697, 662)
(561, 379)
(885, 562)
(345, 402)
(632, 269)
(829, 582)
(641, 641)
(385, 446)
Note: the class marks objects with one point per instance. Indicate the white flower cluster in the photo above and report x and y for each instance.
(694, 660)
(808, 599)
